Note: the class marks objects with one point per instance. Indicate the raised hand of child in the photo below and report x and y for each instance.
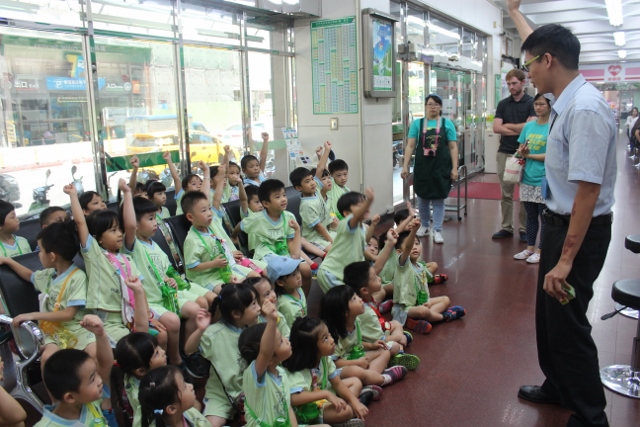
(203, 166)
(135, 162)
(167, 157)
(227, 149)
(412, 212)
(392, 236)
(369, 193)
(294, 224)
(338, 403)
(133, 283)
(93, 323)
(269, 310)
(375, 220)
(319, 151)
(328, 145)
(122, 186)
(70, 189)
(360, 410)
(220, 261)
(203, 319)
(265, 136)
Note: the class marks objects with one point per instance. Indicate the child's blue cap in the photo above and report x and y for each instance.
(278, 266)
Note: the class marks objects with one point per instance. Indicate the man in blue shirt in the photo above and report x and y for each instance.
(581, 172)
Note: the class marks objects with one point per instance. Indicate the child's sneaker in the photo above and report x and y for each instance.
(453, 313)
(523, 255)
(420, 326)
(407, 360)
(385, 306)
(393, 375)
(409, 337)
(440, 278)
(314, 274)
(534, 258)
(354, 422)
(370, 393)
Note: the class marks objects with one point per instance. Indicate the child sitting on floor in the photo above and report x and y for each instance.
(285, 274)
(265, 292)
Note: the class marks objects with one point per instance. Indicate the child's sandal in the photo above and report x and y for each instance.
(440, 278)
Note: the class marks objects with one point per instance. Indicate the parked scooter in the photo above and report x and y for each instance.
(40, 197)
(77, 182)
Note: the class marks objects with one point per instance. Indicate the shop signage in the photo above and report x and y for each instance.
(26, 84)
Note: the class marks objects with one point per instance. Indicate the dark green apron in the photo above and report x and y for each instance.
(432, 174)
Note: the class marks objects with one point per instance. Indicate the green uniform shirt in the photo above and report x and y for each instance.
(165, 213)
(348, 247)
(268, 233)
(346, 344)
(292, 307)
(132, 387)
(20, 247)
(268, 397)
(407, 281)
(389, 269)
(202, 247)
(314, 211)
(219, 345)
(154, 271)
(370, 325)
(334, 195)
(88, 415)
(75, 293)
(178, 198)
(283, 327)
(104, 290)
(313, 379)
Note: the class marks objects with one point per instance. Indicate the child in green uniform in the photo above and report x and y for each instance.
(317, 224)
(264, 382)
(90, 202)
(284, 272)
(238, 308)
(317, 392)
(252, 167)
(349, 243)
(53, 214)
(10, 244)
(265, 292)
(63, 287)
(339, 170)
(340, 309)
(275, 229)
(167, 400)
(156, 193)
(375, 330)
(80, 384)
(110, 274)
(412, 305)
(189, 183)
(137, 354)
(166, 302)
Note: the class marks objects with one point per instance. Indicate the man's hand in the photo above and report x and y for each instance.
(405, 173)
(556, 280)
(454, 174)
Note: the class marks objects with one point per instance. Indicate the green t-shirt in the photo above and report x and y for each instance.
(292, 307)
(389, 269)
(75, 292)
(370, 325)
(203, 247)
(89, 413)
(537, 136)
(20, 247)
(314, 379)
(346, 344)
(268, 397)
(348, 247)
(449, 128)
(283, 327)
(178, 198)
(268, 233)
(132, 387)
(164, 213)
(314, 211)
(334, 195)
(154, 271)
(104, 286)
(407, 281)
(219, 345)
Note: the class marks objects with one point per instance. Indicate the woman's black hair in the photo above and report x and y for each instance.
(143, 206)
(249, 342)
(61, 238)
(634, 108)
(100, 221)
(186, 179)
(158, 389)
(5, 209)
(233, 297)
(304, 344)
(86, 198)
(334, 310)
(541, 95)
(134, 351)
(153, 187)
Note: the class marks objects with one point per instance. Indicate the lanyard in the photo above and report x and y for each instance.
(17, 245)
(324, 372)
(98, 419)
(208, 248)
(159, 279)
(56, 307)
(299, 302)
(359, 334)
(424, 130)
(263, 423)
(375, 309)
(122, 270)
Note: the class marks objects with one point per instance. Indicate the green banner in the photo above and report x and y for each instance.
(123, 163)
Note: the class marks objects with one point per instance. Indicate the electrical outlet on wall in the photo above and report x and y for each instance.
(334, 123)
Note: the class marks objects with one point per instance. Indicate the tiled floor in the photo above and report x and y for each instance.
(471, 369)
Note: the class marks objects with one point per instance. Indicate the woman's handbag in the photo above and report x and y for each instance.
(513, 169)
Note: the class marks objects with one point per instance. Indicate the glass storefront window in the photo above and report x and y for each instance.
(469, 46)
(147, 18)
(205, 25)
(416, 22)
(444, 35)
(44, 120)
(43, 11)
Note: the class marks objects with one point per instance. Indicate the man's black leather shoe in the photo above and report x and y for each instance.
(534, 393)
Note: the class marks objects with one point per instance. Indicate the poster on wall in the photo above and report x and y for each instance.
(378, 34)
(334, 66)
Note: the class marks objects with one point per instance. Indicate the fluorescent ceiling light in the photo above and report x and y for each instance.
(622, 54)
(618, 37)
(118, 20)
(416, 20)
(614, 10)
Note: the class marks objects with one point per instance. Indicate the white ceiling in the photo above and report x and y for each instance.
(589, 21)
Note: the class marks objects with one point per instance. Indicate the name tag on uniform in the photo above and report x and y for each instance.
(546, 192)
